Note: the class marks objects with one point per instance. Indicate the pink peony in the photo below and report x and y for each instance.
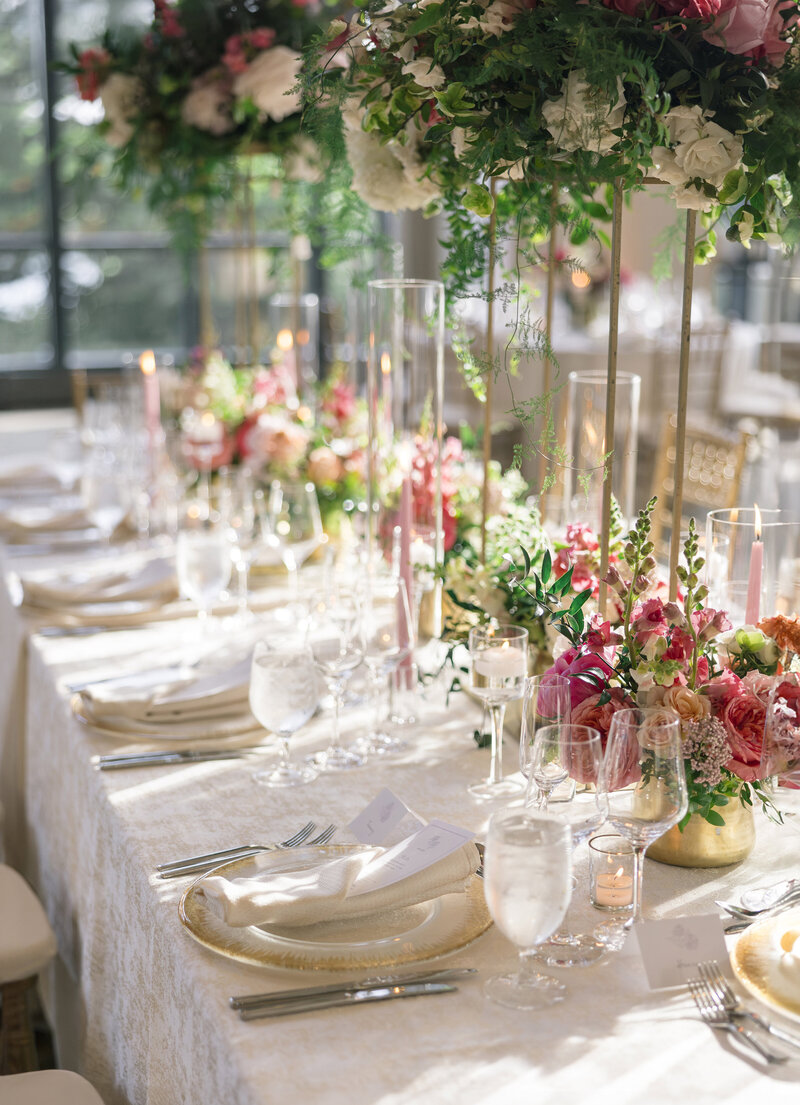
(743, 717)
(276, 440)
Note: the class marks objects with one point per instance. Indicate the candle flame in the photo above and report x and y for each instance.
(284, 340)
(303, 337)
(580, 279)
(386, 364)
(734, 517)
(147, 362)
(208, 418)
(619, 872)
(757, 525)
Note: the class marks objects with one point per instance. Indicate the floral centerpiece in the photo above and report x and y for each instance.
(680, 656)
(206, 82)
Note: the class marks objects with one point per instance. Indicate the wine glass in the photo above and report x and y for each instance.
(644, 777)
(388, 631)
(283, 697)
(565, 785)
(546, 701)
(335, 637)
(107, 493)
(296, 524)
(243, 508)
(498, 667)
(202, 556)
(528, 887)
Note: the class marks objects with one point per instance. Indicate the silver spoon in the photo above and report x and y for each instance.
(783, 900)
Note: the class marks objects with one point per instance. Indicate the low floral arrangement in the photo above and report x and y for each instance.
(683, 657)
(205, 82)
(262, 423)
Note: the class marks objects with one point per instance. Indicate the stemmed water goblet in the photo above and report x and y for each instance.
(388, 633)
(546, 701)
(296, 526)
(565, 785)
(336, 640)
(498, 667)
(283, 697)
(644, 778)
(202, 556)
(106, 489)
(243, 507)
(528, 889)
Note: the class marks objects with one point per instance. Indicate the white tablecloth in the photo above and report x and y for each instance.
(141, 1009)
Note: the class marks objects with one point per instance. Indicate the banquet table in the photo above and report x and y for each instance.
(141, 1009)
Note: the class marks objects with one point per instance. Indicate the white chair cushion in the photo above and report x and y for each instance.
(26, 940)
(48, 1087)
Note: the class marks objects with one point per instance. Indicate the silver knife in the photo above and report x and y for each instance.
(349, 997)
(155, 759)
(247, 1001)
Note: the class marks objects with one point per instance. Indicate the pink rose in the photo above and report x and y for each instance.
(722, 689)
(692, 9)
(587, 674)
(275, 440)
(591, 712)
(324, 466)
(743, 717)
(752, 27)
(627, 7)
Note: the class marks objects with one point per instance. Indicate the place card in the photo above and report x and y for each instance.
(381, 817)
(672, 949)
(432, 843)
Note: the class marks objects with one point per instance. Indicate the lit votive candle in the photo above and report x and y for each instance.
(612, 872)
(501, 661)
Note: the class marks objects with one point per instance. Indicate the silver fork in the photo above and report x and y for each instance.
(721, 988)
(713, 1013)
(196, 865)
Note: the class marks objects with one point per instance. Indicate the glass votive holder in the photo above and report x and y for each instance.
(611, 878)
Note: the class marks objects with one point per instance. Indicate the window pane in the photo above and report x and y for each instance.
(25, 309)
(21, 121)
(120, 302)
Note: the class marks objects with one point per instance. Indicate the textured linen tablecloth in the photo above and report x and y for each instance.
(141, 1009)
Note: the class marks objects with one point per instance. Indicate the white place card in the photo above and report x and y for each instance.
(381, 817)
(426, 847)
(672, 949)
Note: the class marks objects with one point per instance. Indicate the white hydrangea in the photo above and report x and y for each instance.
(207, 106)
(388, 176)
(268, 81)
(120, 95)
(582, 118)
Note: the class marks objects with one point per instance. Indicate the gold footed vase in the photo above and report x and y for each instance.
(704, 845)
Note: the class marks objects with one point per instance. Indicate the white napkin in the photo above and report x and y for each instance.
(31, 475)
(332, 891)
(174, 699)
(22, 521)
(154, 581)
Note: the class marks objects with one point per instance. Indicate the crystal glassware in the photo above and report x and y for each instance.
(565, 785)
(337, 644)
(780, 753)
(498, 666)
(296, 526)
(545, 701)
(528, 887)
(644, 778)
(202, 556)
(107, 492)
(388, 633)
(283, 696)
(243, 508)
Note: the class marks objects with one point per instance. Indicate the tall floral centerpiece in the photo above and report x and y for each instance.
(685, 658)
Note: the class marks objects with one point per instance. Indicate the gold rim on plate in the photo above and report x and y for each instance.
(425, 931)
(759, 963)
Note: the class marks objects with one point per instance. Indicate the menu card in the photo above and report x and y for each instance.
(672, 949)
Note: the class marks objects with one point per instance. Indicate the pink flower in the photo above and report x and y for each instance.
(324, 466)
(591, 712)
(627, 7)
(588, 674)
(276, 440)
(692, 9)
(649, 622)
(752, 27)
(94, 69)
(743, 717)
(340, 401)
(722, 689)
(580, 536)
(167, 20)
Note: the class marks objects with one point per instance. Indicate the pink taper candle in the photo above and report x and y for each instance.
(753, 610)
(405, 569)
(152, 395)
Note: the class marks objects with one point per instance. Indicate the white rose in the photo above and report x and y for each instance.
(691, 198)
(408, 51)
(120, 96)
(712, 154)
(666, 167)
(268, 81)
(682, 122)
(207, 106)
(496, 20)
(424, 74)
(582, 118)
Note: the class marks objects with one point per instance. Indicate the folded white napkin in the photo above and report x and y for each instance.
(22, 521)
(154, 581)
(177, 700)
(332, 891)
(31, 474)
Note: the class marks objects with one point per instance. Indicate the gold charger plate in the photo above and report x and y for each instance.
(763, 968)
(237, 725)
(411, 935)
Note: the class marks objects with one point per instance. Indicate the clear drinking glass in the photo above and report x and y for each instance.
(780, 754)
(565, 785)
(546, 701)
(202, 556)
(106, 490)
(388, 628)
(644, 778)
(337, 644)
(283, 697)
(243, 508)
(296, 524)
(498, 666)
(528, 887)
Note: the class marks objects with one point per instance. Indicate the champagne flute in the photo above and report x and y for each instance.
(644, 777)
(335, 637)
(297, 526)
(565, 785)
(546, 701)
(202, 557)
(528, 888)
(283, 697)
(498, 667)
(388, 631)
